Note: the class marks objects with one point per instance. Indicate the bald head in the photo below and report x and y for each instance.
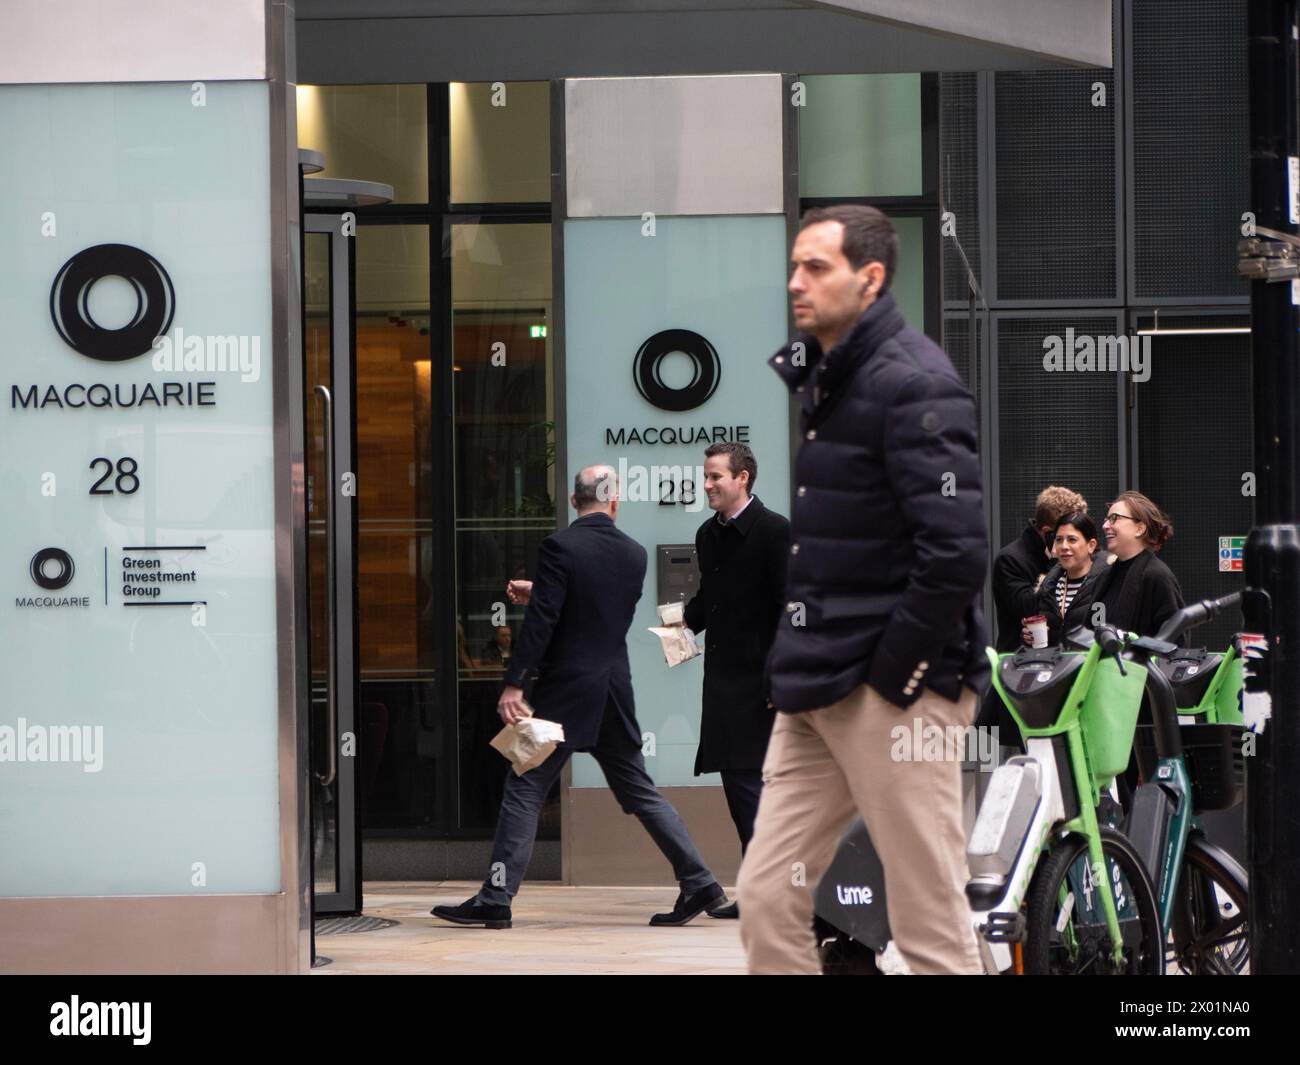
(595, 490)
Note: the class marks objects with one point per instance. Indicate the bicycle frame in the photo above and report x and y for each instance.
(1172, 780)
(1048, 818)
(1171, 776)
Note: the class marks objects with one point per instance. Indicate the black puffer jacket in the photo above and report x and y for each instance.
(889, 548)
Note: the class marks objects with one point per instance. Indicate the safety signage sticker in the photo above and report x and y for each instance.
(1231, 549)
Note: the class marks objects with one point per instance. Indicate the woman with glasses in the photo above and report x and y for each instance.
(1138, 591)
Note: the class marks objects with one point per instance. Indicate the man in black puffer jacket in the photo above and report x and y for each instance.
(882, 640)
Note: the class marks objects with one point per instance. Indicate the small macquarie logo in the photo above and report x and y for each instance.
(74, 1017)
(70, 302)
(51, 569)
(648, 365)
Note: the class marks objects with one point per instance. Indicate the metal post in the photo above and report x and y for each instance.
(1272, 562)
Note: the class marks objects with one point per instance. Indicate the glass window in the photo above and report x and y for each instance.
(370, 133)
(505, 473)
(500, 142)
(398, 602)
(908, 286)
(860, 135)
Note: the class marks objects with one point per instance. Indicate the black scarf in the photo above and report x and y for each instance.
(1127, 611)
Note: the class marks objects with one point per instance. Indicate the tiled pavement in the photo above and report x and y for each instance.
(557, 930)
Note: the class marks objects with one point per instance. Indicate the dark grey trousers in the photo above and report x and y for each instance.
(624, 768)
(743, 788)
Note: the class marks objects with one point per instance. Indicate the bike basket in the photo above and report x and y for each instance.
(1109, 716)
(1214, 759)
(1227, 703)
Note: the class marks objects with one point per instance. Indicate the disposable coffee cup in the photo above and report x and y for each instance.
(1037, 626)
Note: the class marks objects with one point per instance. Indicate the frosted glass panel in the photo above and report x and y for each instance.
(722, 278)
(860, 135)
(908, 286)
(138, 733)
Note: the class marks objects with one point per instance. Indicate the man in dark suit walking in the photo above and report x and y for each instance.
(742, 551)
(580, 607)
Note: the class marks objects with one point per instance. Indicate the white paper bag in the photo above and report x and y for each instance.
(678, 642)
(528, 743)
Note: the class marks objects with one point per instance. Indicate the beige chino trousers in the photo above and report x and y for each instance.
(824, 766)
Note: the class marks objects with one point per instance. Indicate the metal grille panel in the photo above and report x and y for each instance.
(1055, 195)
(959, 175)
(1053, 428)
(1194, 444)
(956, 342)
(1191, 145)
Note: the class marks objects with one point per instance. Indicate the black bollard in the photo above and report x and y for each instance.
(1272, 558)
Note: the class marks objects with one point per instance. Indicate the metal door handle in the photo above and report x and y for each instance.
(327, 778)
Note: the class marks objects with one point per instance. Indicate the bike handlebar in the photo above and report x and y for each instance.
(1196, 614)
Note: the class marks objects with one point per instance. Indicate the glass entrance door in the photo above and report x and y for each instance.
(329, 403)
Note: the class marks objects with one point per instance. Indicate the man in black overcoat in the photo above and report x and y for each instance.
(742, 552)
(574, 637)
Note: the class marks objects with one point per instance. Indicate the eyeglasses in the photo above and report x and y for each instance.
(1111, 519)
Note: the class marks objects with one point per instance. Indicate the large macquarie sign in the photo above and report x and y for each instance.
(138, 748)
(667, 334)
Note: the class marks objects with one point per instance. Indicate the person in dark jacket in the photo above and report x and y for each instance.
(742, 553)
(1018, 570)
(580, 607)
(1017, 575)
(882, 637)
(1138, 591)
(1066, 596)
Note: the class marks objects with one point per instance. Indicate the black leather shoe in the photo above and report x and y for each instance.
(730, 912)
(688, 907)
(473, 912)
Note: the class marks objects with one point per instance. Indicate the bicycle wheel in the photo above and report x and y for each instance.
(1065, 928)
(1210, 936)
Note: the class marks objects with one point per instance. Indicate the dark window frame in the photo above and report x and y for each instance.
(439, 214)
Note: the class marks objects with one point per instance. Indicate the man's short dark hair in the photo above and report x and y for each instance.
(868, 235)
(739, 457)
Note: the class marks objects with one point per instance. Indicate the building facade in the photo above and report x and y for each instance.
(520, 251)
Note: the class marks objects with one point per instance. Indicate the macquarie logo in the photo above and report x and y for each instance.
(51, 569)
(647, 375)
(145, 331)
(647, 366)
(70, 308)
